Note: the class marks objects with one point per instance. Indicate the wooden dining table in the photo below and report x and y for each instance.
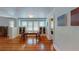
(25, 35)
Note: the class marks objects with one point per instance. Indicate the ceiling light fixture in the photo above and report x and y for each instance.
(31, 16)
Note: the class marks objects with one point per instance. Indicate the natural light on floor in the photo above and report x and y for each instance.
(31, 41)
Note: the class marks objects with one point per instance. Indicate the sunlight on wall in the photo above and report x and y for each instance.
(11, 23)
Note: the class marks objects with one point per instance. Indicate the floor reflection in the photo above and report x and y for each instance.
(42, 46)
(32, 41)
(30, 44)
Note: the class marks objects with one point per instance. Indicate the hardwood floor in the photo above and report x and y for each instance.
(18, 44)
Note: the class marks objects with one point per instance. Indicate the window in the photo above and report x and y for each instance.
(30, 26)
(42, 24)
(24, 24)
(36, 26)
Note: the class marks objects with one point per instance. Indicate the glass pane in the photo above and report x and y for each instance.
(42, 24)
(30, 26)
(24, 24)
(36, 26)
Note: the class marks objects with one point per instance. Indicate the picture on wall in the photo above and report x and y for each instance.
(75, 17)
(62, 20)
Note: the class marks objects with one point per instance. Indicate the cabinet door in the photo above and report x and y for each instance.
(40, 30)
(21, 30)
(44, 30)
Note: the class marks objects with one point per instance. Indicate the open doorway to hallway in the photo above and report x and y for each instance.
(27, 29)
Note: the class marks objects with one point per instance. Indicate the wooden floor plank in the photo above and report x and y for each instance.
(18, 44)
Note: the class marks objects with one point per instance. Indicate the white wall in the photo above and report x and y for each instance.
(4, 21)
(48, 31)
(13, 32)
(67, 37)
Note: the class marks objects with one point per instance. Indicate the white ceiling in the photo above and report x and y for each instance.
(25, 12)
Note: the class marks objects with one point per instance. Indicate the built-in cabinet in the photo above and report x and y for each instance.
(21, 30)
(3, 31)
(42, 30)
